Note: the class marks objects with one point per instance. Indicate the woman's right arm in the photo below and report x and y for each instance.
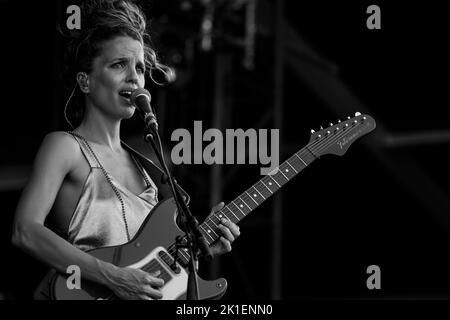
(55, 159)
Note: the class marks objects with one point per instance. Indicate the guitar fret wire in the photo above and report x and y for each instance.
(274, 180)
(291, 167)
(270, 183)
(231, 212)
(245, 203)
(286, 169)
(307, 148)
(238, 208)
(206, 231)
(260, 193)
(216, 225)
(266, 186)
(304, 155)
(211, 228)
(247, 196)
(220, 214)
(283, 174)
(252, 198)
(226, 207)
(301, 159)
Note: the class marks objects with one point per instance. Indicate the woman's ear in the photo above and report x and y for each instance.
(83, 81)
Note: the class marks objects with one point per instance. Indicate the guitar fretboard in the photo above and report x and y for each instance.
(335, 139)
(251, 198)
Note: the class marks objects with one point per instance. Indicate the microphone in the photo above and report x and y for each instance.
(141, 98)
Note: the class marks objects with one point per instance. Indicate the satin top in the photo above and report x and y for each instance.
(97, 220)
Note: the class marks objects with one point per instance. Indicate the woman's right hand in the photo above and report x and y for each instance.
(134, 284)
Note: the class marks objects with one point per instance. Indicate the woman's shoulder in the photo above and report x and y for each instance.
(60, 138)
(60, 143)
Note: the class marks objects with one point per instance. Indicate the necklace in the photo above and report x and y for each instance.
(117, 193)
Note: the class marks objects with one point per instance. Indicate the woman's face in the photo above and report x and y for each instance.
(116, 72)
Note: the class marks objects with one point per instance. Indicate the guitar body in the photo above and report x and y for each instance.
(147, 249)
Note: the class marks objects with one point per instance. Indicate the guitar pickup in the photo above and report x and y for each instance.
(169, 261)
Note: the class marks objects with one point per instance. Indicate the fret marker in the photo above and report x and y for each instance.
(209, 231)
(286, 170)
(241, 206)
(254, 195)
(270, 183)
(220, 216)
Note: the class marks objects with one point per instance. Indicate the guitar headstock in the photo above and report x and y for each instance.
(336, 139)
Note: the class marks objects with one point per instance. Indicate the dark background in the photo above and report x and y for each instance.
(385, 202)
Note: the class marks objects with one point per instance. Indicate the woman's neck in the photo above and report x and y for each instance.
(101, 130)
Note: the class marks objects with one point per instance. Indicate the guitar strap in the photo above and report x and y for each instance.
(157, 175)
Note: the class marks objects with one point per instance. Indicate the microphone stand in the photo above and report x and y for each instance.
(195, 240)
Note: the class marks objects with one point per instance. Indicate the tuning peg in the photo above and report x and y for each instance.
(312, 131)
(330, 124)
(339, 121)
(357, 114)
(348, 118)
(321, 128)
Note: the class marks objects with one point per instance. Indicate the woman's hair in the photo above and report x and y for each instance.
(103, 20)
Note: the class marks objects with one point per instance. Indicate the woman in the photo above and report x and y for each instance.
(86, 186)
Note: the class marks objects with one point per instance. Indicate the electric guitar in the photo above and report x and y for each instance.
(153, 247)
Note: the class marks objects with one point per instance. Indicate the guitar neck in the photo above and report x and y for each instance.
(251, 198)
(335, 139)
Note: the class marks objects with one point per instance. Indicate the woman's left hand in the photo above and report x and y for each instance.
(229, 233)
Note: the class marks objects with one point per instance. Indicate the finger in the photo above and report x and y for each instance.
(154, 282)
(234, 228)
(217, 207)
(226, 233)
(154, 293)
(226, 244)
(155, 273)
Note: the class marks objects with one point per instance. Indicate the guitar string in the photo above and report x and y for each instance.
(171, 250)
(316, 146)
(295, 161)
(154, 265)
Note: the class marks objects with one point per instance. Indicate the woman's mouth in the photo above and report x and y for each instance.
(125, 93)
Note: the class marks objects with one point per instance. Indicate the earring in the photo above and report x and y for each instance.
(84, 82)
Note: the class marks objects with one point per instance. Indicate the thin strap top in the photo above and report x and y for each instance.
(97, 220)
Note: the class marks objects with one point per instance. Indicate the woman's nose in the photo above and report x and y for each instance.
(132, 76)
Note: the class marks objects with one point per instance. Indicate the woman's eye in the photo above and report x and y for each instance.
(141, 69)
(118, 65)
